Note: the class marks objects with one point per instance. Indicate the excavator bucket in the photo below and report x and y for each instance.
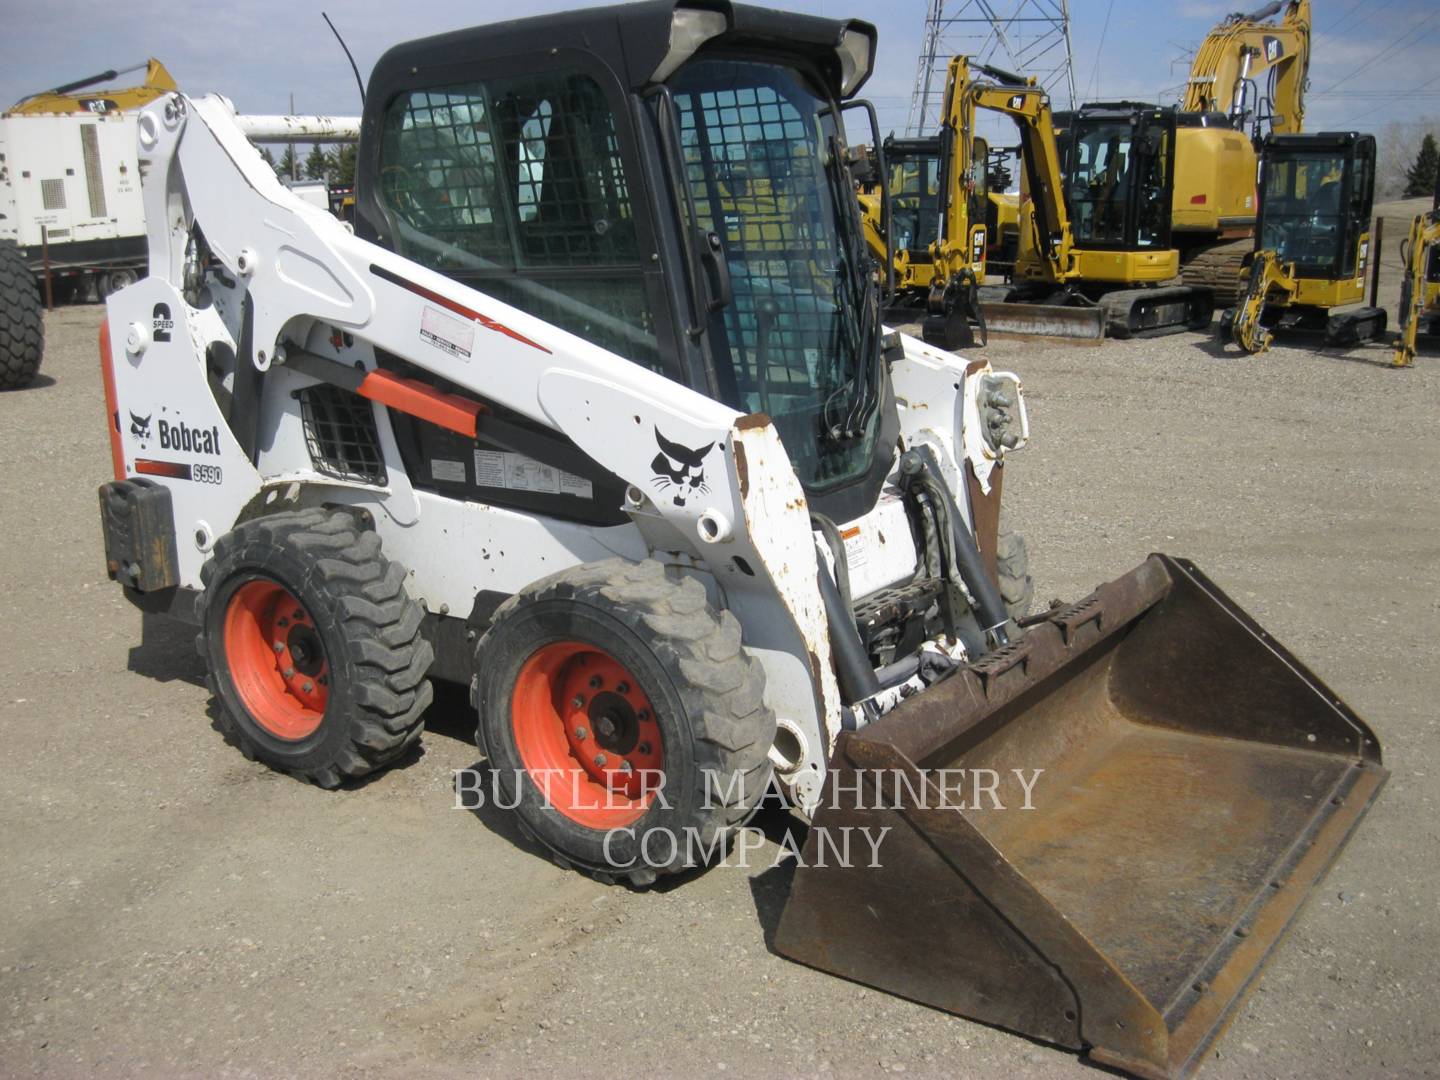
(1196, 781)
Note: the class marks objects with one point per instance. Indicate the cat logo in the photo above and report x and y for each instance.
(1273, 49)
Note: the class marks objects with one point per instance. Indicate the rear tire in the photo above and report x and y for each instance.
(313, 646)
(610, 664)
(22, 322)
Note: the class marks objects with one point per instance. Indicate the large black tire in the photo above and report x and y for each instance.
(707, 701)
(1012, 565)
(372, 661)
(22, 322)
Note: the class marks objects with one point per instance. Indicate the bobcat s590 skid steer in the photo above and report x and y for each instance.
(558, 420)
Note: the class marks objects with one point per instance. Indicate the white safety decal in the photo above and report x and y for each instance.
(453, 471)
(447, 333)
(496, 468)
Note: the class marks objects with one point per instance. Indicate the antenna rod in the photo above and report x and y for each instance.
(358, 81)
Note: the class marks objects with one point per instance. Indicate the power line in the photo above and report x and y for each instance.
(1394, 46)
(1392, 97)
(1095, 75)
(1335, 24)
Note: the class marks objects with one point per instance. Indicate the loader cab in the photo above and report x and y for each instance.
(667, 180)
(1316, 196)
(1119, 161)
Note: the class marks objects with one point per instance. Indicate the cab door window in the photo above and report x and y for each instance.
(517, 187)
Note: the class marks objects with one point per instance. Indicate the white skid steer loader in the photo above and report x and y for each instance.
(593, 411)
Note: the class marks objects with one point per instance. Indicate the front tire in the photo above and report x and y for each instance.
(625, 722)
(313, 646)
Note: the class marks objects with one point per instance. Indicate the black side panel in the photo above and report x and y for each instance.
(514, 462)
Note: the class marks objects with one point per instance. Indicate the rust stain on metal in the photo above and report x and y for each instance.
(753, 422)
(742, 468)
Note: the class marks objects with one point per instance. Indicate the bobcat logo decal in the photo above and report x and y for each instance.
(679, 469)
(140, 426)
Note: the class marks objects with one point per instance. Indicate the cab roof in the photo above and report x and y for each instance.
(632, 39)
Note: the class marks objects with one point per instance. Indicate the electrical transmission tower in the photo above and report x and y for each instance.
(1028, 37)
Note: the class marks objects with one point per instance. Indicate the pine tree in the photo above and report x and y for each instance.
(318, 165)
(286, 169)
(345, 166)
(1420, 177)
(267, 157)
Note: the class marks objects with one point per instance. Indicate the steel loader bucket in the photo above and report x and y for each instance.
(1198, 780)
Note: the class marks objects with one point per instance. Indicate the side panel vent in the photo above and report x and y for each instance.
(94, 181)
(52, 194)
(340, 435)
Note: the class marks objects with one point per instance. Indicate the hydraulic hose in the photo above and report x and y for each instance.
(920, 464)
(852, 664)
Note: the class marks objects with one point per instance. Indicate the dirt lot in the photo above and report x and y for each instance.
(170, 907)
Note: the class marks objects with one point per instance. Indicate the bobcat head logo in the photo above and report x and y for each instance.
(679, 469)
(140, 426)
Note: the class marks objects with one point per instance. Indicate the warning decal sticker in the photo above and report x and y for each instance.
(447, 333)
(516, 472)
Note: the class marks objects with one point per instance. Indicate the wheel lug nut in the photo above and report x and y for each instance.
(626, 767)
(299, 615)
(596, 682)
(577, 702)
(600, 760)
(644, 748)
(283, 621)
(643, 714)
(279, 646)
(581, 733)
(308, 687)
(623, 688)
(289, 673)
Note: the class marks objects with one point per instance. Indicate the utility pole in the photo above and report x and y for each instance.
(1028, 37)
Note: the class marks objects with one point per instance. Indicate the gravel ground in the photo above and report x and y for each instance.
(170, 907)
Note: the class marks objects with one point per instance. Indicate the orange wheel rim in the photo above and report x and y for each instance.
(587, 735)
(276, 659)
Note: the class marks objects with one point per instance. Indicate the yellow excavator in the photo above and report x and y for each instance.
(1312, 247)
(1247, 80)
(68, 98)
(1094, 255)
(1420, 288)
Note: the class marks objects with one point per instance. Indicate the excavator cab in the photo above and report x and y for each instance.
(916, 175)
(1316, 196)
(1312, 243)
(1119, 165)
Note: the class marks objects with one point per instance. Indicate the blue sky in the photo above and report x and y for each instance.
(1373, 60)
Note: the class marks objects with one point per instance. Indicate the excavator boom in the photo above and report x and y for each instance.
(1229, 63)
